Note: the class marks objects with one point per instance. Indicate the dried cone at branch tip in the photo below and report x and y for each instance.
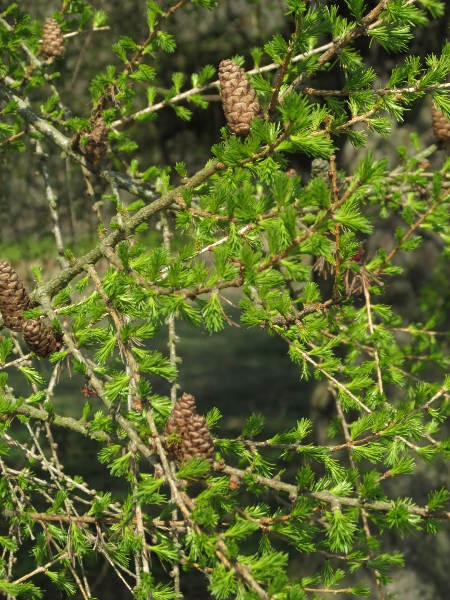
(441, 125)
(239, 99)
(52, 39)
(97, 143)
(196, 441)
(40, 337)
(14, 298)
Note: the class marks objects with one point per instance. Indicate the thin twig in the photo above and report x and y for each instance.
(372, 331)
(364, 516)
(444, 195)
(173, 398)
(41, 569)
(324, 496)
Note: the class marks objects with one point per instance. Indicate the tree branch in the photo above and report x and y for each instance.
(293, 491)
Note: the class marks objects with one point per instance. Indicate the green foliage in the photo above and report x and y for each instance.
(297, 256)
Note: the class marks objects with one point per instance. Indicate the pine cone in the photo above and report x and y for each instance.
(14, 298)
(196, 440)
(97, 143)
(182, 411)
(40, 337)
(441, 125)
(239, 99)
(52, 39)
(177, 422)
(320, 168)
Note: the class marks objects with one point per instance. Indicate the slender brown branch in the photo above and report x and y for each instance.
(364, 516)
(323, 496)
(330, 378)
(381, 92)
(129, 65)
(444, 195)
(284, 67)
(372, 331)
(77, 266)
(66, 422)
(11, 138)
(42, 568)
(72, 34)
(87, 520)
(370, 20)
(212, 85)
(52, 205)
(312, 229)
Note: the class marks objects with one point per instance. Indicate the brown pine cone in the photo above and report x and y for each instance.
(177, 422)
(196, 440)
(182, 411)
(52, 39)
(441, 125)
(192, 429)
(40, 337)
(14, 298)
(239, 99)
(97, 144)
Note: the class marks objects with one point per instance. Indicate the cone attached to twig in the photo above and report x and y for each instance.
(196, 440)
(97, 144)
(441, 125)
(191, 431)
(52, 39)
(182, 411)
(239, 99)
(176, 424)
(14, 299)
(40, 337)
